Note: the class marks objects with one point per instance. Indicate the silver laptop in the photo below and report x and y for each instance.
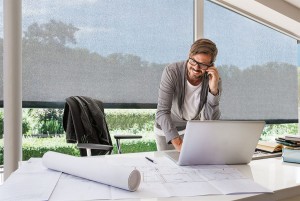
(218, 142)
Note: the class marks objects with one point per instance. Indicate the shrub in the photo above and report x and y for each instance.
(273, 130)
(49, 121)
(132, 120)
(1, 125)
(46, 121)
(36, 147)
(25, 124)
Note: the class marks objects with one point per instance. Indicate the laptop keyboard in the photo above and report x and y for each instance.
(262, 154)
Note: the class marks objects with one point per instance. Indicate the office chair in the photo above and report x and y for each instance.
(85, 124)
(88, 147)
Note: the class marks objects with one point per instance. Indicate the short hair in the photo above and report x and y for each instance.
(204, 46)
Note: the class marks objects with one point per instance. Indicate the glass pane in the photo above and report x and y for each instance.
(1, 49)
(298, 69)
(257, 66)
(112, 50)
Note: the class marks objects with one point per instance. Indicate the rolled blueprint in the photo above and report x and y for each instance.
(94, 168)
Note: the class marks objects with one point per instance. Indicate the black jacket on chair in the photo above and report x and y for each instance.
(84, 122)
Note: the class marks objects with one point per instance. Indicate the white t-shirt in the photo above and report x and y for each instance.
(191, 100)
(190, 106)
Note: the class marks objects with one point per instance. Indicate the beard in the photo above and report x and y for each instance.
(191, 74)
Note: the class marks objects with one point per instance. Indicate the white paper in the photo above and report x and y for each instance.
(32, 182)
(75, 188)
(160, 180)
(229, 180)
(95, 169)
(239, 186)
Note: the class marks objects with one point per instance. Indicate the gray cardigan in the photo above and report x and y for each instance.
(169, 115)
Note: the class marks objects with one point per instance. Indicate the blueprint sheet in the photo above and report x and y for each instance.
(161, 179)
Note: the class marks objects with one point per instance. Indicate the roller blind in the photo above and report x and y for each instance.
(116, 50)
(113, 50)
(258, 66)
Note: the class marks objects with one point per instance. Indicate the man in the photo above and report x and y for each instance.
(189, 90)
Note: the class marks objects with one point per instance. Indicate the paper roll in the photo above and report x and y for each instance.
(95, 169)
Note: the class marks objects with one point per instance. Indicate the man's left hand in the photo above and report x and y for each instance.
(214, 77)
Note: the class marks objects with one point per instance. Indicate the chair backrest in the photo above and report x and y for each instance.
(84, 122)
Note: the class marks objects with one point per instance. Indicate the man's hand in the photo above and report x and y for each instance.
(177, 143)
(214, 77)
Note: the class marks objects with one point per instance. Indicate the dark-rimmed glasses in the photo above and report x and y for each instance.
(203, 66)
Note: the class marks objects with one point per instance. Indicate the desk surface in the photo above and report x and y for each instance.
(280, 177)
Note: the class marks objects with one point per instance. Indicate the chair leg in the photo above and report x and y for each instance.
(118, 146)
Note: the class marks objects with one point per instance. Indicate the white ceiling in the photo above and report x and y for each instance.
(282, 15)
(294, 2)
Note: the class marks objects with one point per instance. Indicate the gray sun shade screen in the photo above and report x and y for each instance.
(258, 66)
(114, 50)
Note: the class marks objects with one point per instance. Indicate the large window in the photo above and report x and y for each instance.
(112, 50)
(258, 67)
(116, 50)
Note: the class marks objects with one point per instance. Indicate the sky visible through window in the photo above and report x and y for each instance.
(123, 26)
(243, 42)
(150, 29)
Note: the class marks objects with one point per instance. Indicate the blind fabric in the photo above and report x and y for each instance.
(116, 51)
(258, 66)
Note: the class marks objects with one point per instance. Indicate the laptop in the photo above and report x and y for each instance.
(218, 142)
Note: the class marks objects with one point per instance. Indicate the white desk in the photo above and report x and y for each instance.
(282, 178)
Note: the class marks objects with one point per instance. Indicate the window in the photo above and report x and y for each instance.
(257, 65)
(112, 50)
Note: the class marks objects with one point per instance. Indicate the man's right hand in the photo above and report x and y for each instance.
(177, 143)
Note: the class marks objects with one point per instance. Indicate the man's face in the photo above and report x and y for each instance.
(197, 65)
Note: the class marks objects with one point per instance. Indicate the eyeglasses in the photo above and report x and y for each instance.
(193, 62)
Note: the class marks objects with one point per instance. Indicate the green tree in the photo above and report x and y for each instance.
(49, 121)
(51, 33)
